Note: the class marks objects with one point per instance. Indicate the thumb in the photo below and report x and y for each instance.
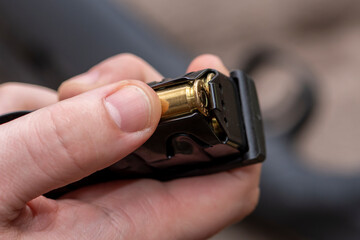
(69, 140)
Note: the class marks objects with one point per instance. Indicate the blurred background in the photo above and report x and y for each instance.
(324, 34)
(310, 185)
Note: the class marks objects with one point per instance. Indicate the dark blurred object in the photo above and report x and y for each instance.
(48, 41)
(290, 110)
(51, 40)
(318, 205)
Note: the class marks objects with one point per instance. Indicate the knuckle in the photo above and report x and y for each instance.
(115, 66)
(249, 197)
(247, 205)
(126, 61)
(64, 144)
(9, 96)
(120, 221)
(129, 57)
(9, 88)
(129, 61)
(123, 59)
(253, 201)
(210, 58)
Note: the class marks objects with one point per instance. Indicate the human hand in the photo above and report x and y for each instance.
(101, 118)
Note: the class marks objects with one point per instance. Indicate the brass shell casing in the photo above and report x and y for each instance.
(184, 99)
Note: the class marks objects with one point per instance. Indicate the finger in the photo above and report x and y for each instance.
(188, 208)
(67, 141)
(216, 201)
(120, 67)
(207, 61)
(22, 96)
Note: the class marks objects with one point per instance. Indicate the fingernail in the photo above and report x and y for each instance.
(86, 78)
(130, 108)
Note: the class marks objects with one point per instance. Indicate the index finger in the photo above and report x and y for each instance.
(121, 67)
(207, 61)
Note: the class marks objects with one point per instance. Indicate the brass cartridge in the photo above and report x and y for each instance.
(184, 99)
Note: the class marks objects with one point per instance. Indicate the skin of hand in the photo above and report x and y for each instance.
(102, 116)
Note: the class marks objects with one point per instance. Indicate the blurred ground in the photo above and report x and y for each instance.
(325, 34)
